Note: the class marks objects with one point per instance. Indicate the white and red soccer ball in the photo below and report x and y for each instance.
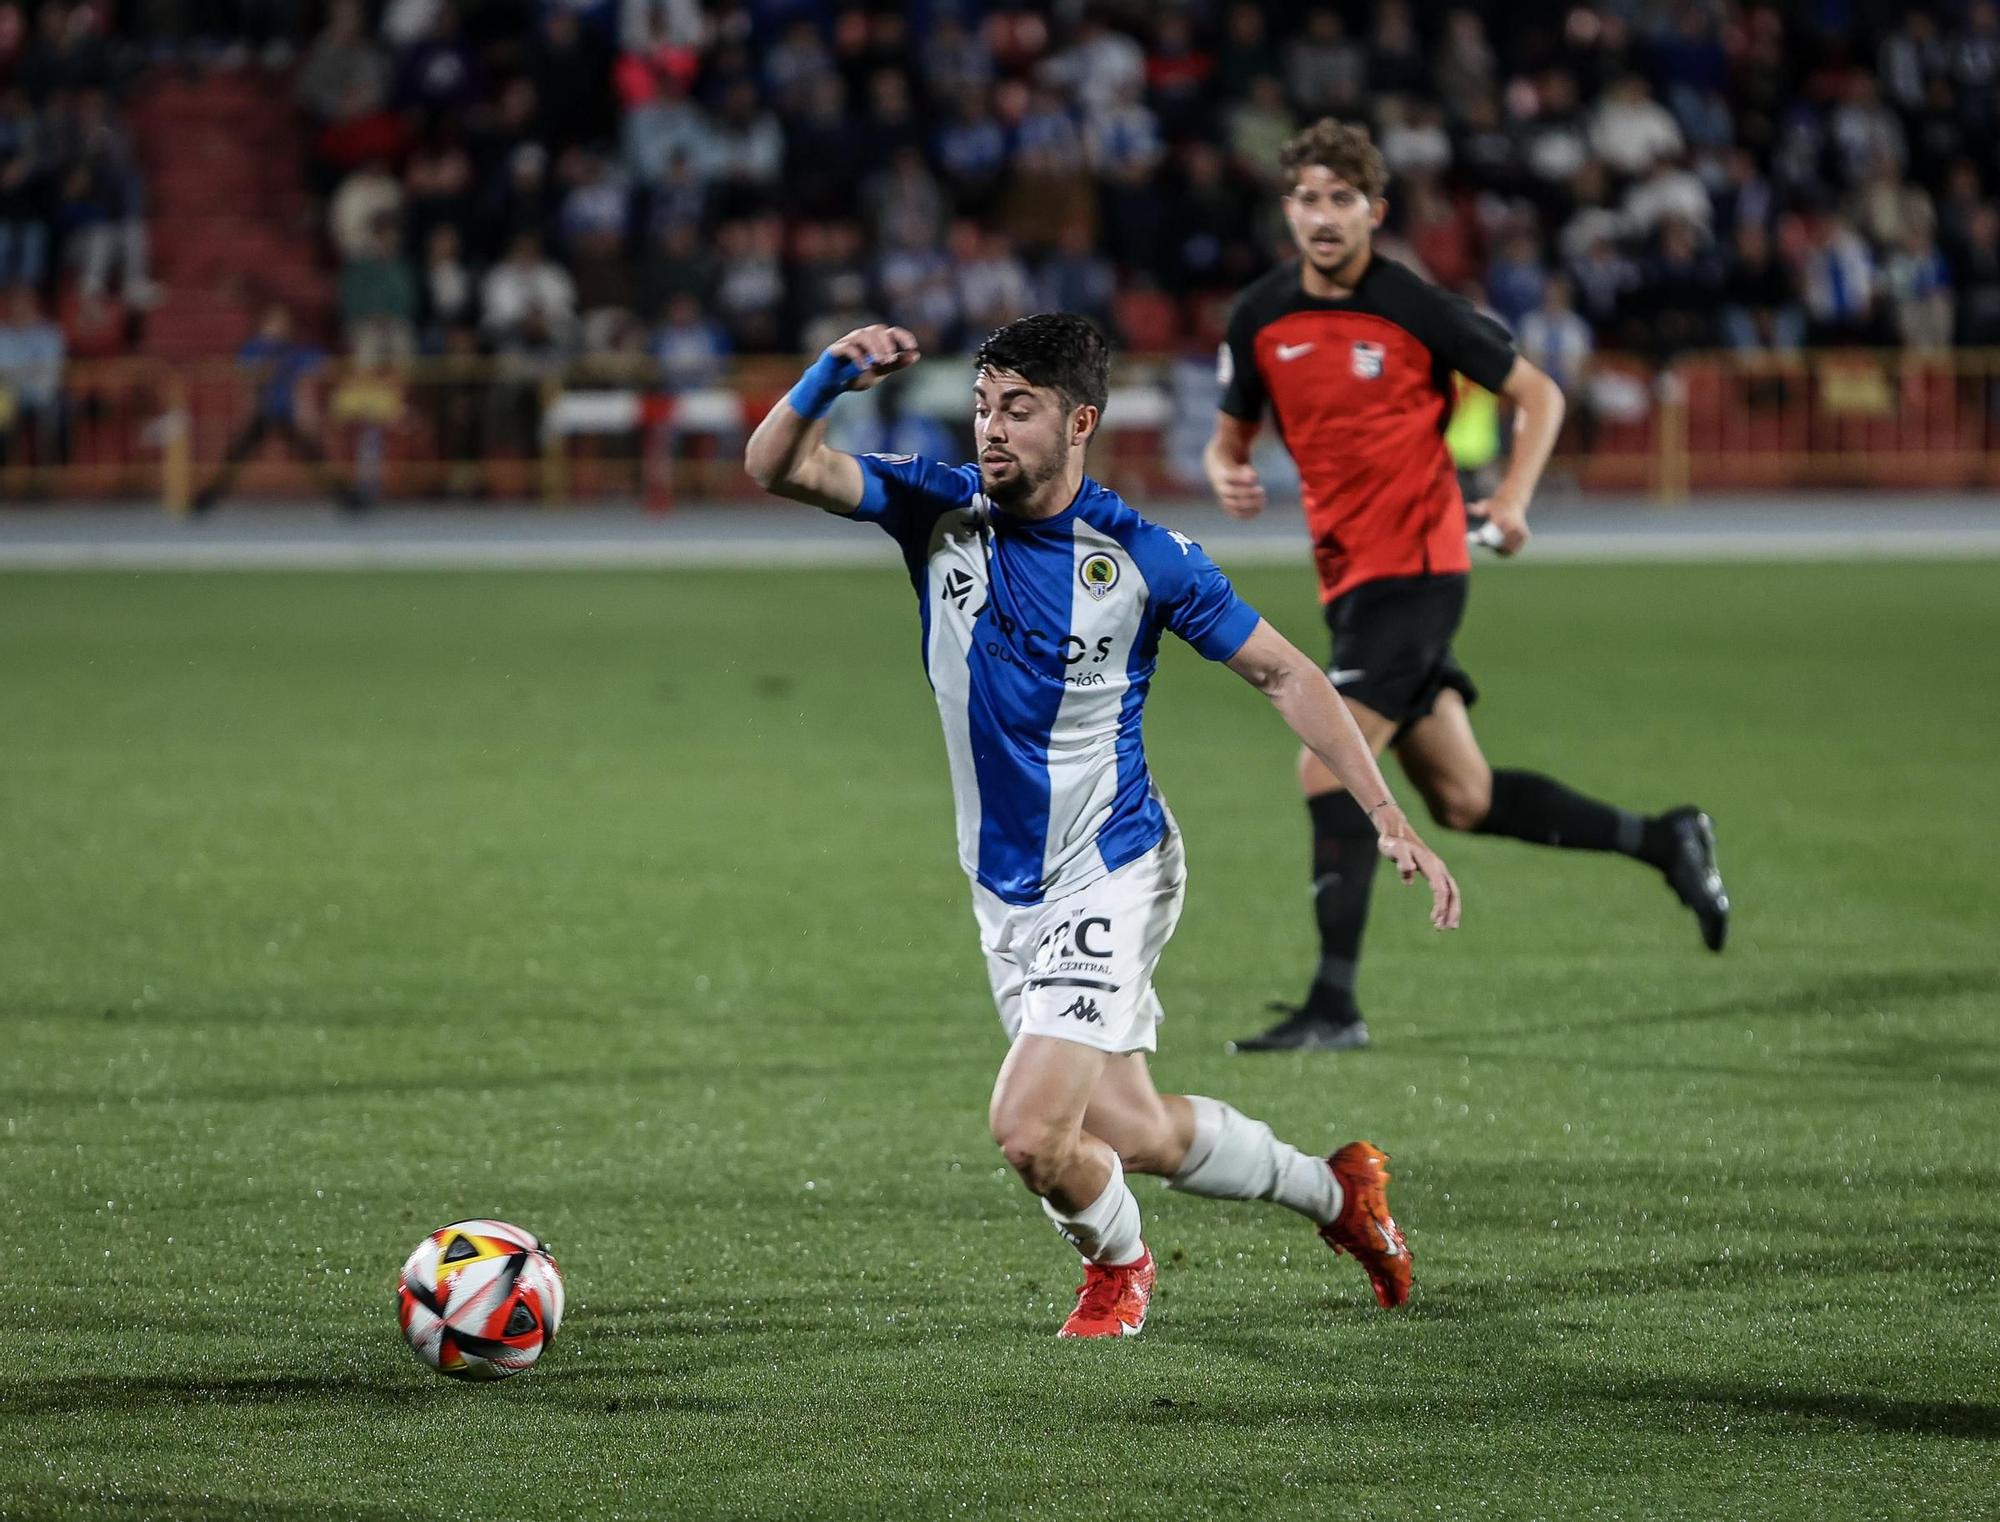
(480, 1299)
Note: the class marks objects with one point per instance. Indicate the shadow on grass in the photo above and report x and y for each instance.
(1976, 1421)
(1845, 996)
(140, 1394)
(1533, 1390)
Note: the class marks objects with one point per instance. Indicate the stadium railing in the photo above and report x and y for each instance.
(142, 430)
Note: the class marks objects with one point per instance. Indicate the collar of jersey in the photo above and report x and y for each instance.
(1084, 492)
(1299, 285)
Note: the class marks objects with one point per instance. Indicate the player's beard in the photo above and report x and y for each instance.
(1028, 478)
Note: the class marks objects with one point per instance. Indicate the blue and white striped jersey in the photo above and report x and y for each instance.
(1040, 639)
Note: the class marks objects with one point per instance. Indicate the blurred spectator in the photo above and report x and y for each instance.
(1246, 54)
(1669, 189)
(345, 73)
(31, 361)
(1839, 275)
(750, 287)
(281, 407)
(572, 74)
(1515, 278)
(1178, 71)
(1760, 301)
(902, 202)
(1866, 133)
(1396, 63)
(971, 153)
(957, 62)
(1604, 280)
(691, 347)
(993, 283)
(438, 191)
(101, 215)
(365, 197)
(1076, 278)
(1099, 64)
(1208, 220)
(529, 302)
(798, 61)
(1557, 340)
(1466, 67)
(1679, 286)
(1259, 128)
(1978, 277)
(379, 300)
(1326, 71)
(1413, 139)
(1049, 184)
(676, 264)
(1440, 234)
(916, 283)
(1916, 282)
(437, 76)
(24, 232)
(663, 127)
(448, 299)
(1631, 131)
(746, 147)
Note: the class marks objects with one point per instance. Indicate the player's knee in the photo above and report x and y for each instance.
(1035, 1150)
(1460, 804)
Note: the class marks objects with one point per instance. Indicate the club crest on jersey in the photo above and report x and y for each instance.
(1368, 360)
(1099, 574)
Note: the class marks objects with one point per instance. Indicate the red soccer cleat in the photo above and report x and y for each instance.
(1364, 1226)
(1111, 1302)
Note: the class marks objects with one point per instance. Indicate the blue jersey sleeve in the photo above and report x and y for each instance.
(907, 494)
(1194, 598)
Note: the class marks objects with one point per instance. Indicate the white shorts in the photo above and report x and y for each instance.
(1080, 968)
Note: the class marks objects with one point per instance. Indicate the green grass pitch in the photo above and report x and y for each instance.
(624, 905)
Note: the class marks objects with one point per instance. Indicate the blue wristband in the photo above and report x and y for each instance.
(813, 394)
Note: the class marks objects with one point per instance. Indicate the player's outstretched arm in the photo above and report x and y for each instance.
(1300, 692)
(787, 455)
(1226, 461)
(1538, 419)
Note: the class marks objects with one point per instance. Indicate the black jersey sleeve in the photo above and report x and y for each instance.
(1467, 341)
(1236, 366)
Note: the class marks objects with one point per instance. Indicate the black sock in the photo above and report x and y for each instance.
(1343, 866)
(1529, 806)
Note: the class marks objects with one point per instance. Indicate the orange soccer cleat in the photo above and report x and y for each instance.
(1111, 1302)
(1364, 1226)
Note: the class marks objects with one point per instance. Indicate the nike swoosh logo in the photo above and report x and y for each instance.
(1345, 675)
(1294, 351)
(1388, 1242)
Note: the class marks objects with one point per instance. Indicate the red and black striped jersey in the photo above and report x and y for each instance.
(1361, 391)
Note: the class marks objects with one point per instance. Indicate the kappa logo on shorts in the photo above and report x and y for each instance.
(1368, 359)
(1099, 574)
(1083, 1009)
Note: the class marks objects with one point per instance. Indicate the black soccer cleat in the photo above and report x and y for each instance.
(1307, 1030)
(1694, 876)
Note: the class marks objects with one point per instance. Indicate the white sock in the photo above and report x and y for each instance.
(1107, 1229)
(1236, 1158)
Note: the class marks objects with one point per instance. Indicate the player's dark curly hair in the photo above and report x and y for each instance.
(1347, 150)
(1059, 350)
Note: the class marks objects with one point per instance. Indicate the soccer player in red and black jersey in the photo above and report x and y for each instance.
(1353, 356)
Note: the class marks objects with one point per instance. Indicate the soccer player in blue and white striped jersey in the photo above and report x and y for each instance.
(1043, 598)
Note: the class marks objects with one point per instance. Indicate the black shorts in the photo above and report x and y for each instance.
(1392, 645)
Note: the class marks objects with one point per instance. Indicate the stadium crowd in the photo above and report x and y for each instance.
(674, 182)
